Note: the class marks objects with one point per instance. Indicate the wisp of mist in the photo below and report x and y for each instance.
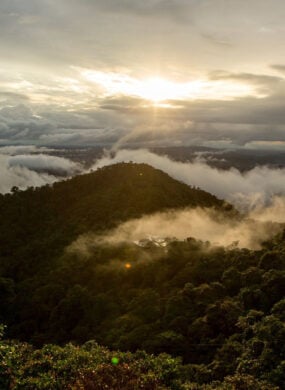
(202, 224)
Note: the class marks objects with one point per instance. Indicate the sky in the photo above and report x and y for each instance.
(152, 72)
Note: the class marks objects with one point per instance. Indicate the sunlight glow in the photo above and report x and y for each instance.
(157, 90)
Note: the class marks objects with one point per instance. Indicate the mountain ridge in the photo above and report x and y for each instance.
(38, 223)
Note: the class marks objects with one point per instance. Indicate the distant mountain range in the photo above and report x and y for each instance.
(222, 158)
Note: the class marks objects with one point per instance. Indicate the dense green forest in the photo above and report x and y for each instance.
(217, 312)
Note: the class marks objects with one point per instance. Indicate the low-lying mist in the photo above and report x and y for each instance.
(32, 170)
(201, 224)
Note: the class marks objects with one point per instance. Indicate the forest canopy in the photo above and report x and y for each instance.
(217, 312)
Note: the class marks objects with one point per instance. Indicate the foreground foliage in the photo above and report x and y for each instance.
(92, 367)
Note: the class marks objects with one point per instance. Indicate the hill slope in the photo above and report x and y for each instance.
(37, 224)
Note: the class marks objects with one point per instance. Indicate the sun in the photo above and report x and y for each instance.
(154, 89)
(158, 90)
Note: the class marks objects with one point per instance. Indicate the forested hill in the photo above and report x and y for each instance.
(220, 311)
(38, 223)
(101, 198)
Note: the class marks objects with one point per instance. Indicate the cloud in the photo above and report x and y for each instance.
(21, 177)
(151, 8)
(71, 111)
(245, 191)
(45, 163)
(32, 170)
(96, 32)
(267, 84)
(49, 102)
(226, 123)
(8, 98)
(218, 39)
(275, 211)
(265, 145)
(18, 123)
(279, 68)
